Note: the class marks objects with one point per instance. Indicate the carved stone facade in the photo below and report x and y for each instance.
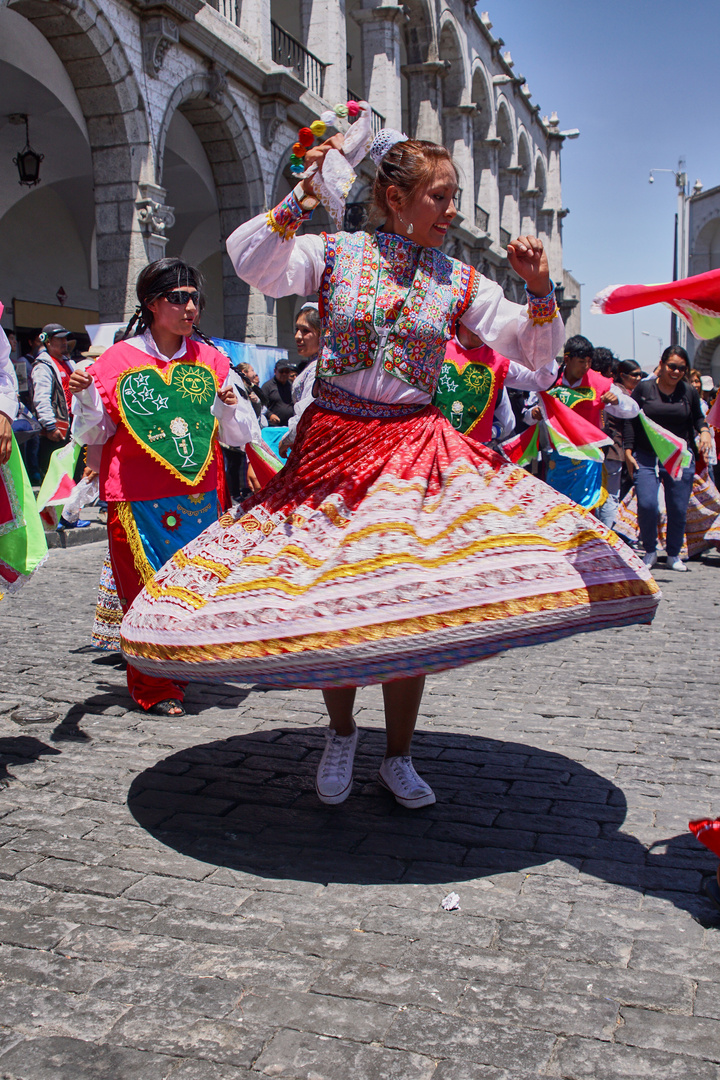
(166, 123)
(704, 255)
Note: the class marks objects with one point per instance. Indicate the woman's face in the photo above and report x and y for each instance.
(430, 210)
(630, 379)
(695, 382)
(307, 340)
(673, 370)
(176, 312)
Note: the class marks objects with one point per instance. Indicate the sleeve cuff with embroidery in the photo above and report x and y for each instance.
(542, 309)
(285, 219)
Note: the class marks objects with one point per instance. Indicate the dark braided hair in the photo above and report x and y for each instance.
(156, 280)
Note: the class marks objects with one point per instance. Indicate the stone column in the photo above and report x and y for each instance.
(425, 99)
(553, 206)
(381, 30)
(120, 245)
(155, 218)
(459, 141)
(254, 21)
(324, 35)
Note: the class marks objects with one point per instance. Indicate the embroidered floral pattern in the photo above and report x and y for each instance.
(387, 288)
(287, 216)
(332, 397)
(542, 309)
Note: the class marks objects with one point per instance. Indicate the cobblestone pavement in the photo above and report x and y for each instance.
(175, 903)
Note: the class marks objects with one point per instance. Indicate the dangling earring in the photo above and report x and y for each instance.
(410, 229)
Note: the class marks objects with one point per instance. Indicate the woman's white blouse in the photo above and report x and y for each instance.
(282, 267)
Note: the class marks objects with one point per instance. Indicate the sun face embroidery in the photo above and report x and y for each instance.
(196, 383)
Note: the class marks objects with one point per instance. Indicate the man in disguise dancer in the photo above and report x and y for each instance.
(159, 403)
(389, 545)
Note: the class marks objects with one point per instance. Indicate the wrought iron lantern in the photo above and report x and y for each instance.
(28, 160)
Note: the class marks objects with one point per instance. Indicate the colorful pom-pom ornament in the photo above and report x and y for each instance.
(328, 117)
(353, 108)
(297, 170)
(294, 160)
(306, 137)
(341, 110)
(318, 128)
(299, 150)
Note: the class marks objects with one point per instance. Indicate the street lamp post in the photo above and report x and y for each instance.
(646, 333)
(678, 328)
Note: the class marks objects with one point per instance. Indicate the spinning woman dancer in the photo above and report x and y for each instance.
(390, 545)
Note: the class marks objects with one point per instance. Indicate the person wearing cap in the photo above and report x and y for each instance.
(51, 394)
(278, 391)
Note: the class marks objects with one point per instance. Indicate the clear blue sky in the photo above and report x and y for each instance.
(640, 80)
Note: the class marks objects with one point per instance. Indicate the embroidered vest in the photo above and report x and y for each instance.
(585, 398)
(385, 297)
(468, 388)
(165, 443)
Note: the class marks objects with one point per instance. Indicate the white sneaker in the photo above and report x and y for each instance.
(334, 774)
(675, 564)
(398, 775)
(650, 558)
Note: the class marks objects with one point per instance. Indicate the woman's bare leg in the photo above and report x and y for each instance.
(339, 704)
(402, 700)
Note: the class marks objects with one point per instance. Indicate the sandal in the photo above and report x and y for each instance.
(164, 708)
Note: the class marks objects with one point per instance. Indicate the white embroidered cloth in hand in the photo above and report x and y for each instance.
(332, 185)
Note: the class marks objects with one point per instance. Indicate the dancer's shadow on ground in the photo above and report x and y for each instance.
(249, 803)
(20, 750)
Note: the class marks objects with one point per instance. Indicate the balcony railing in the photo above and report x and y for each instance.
(229, 8)
(482, 218)
(291, 54)
(378, 121)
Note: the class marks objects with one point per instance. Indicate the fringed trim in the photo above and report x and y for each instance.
(542, 309)
(285, 218)
(127, 520)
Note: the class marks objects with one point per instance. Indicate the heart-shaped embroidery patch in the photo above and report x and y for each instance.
(464, 396)
(168, 414)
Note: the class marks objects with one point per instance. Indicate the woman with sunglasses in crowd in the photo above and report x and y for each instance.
(159, 402)
(674, 404)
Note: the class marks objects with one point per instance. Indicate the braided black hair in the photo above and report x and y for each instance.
(156, 280)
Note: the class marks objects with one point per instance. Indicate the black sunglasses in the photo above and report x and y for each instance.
(676, 367)
(179, 296)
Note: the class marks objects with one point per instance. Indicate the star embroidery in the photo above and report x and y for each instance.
(161, 403)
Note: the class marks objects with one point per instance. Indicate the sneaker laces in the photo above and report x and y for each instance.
(404, 770)
(337, 752)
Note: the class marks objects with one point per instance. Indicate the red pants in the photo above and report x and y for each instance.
(144, 689)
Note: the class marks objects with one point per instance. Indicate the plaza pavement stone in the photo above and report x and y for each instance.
(175, 904)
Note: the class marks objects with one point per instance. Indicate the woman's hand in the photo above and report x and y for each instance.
(527, 257)
(316, 156)
(5, 438)
(228, 396)
(253, 482)
(536, 413)
(609, 398)
(631, 462)
(79, 381)
(705, 442)
(284, 446)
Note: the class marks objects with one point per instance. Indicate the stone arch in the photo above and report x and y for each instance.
(114, 112)
(420, 45)
(706, 247)
(526, 179)
(507, 175)
(483, 153)
(234, 164)
(450, 52)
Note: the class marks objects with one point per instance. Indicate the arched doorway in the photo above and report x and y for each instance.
(211, 174)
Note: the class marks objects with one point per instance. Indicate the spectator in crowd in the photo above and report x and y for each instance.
(255, 393)
(627, 376)
(51, 393)
(604, 361)
(278, 391)
(308, 327)
(673, 403)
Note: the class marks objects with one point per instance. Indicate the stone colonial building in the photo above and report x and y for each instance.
(164, 125)
(704, 254)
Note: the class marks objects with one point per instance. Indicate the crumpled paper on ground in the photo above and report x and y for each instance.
(451, 902)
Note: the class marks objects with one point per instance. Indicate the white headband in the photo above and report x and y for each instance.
(384, 141)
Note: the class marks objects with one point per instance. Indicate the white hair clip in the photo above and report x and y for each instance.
(384, 141)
